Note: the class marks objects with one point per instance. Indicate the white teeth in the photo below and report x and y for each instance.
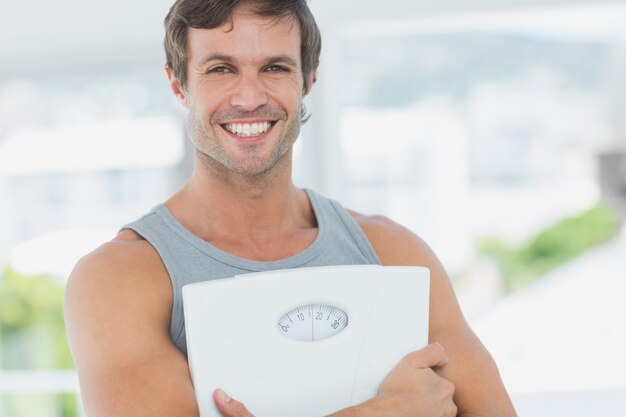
(247, 129)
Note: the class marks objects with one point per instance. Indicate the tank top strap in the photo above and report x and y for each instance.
(333, 215)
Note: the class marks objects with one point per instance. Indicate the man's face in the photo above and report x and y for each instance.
(244, 92)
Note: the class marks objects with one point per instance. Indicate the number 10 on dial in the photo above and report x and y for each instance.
(312, 322)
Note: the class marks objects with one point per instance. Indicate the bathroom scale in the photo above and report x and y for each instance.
(303, 342)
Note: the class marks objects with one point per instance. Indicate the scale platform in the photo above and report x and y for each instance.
(303, 342)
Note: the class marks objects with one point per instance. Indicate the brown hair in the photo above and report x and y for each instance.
(209, 14)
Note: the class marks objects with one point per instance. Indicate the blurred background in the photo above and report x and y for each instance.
(496, 130)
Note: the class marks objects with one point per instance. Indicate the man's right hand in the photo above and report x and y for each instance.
(412, 388)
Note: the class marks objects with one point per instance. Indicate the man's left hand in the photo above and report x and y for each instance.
(229, 407)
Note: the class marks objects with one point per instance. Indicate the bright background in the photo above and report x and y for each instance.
(496, 130)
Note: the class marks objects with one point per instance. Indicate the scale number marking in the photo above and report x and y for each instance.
(312, 322)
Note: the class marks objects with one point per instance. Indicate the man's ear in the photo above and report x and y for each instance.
(312, 79)
(176, 87)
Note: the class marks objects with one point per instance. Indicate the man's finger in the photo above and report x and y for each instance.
(431, 356)
(229, 407)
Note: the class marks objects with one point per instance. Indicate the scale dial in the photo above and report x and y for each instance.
(312, 322)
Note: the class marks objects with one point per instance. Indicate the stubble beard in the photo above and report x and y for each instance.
(251, 165)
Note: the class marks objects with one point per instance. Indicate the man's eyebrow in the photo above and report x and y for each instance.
(215, 57)
(282, 59)
(279, 59)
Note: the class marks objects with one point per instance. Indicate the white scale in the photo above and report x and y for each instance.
(303, 342)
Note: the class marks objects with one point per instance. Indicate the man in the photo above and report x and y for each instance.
(242, 69)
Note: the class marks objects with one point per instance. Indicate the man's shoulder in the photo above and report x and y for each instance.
(127, 264)
(126, 251)
(394, 243)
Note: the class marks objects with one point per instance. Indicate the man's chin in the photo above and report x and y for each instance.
(253, 170)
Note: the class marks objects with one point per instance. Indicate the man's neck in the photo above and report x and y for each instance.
(235, 213)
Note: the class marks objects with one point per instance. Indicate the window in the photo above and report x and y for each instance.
(482, 133)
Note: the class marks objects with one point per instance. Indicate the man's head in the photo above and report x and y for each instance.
(209, 14)
(243, 80)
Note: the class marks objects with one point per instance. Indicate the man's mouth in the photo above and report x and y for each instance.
(245, 130)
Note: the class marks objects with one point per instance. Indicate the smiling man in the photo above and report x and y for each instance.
(242, 69)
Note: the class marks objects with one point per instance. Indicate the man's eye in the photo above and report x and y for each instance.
(218, 70)
(276, 68)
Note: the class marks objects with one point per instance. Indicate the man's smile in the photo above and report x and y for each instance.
(243, 129)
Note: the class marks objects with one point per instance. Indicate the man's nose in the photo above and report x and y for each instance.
(249, 93)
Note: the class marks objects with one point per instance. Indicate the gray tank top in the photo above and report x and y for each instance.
(189, 259)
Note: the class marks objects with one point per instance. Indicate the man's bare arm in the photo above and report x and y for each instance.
(479, 390)
(117, 309)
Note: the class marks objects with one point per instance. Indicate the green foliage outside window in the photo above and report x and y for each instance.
(552, 247)
(32, 333)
